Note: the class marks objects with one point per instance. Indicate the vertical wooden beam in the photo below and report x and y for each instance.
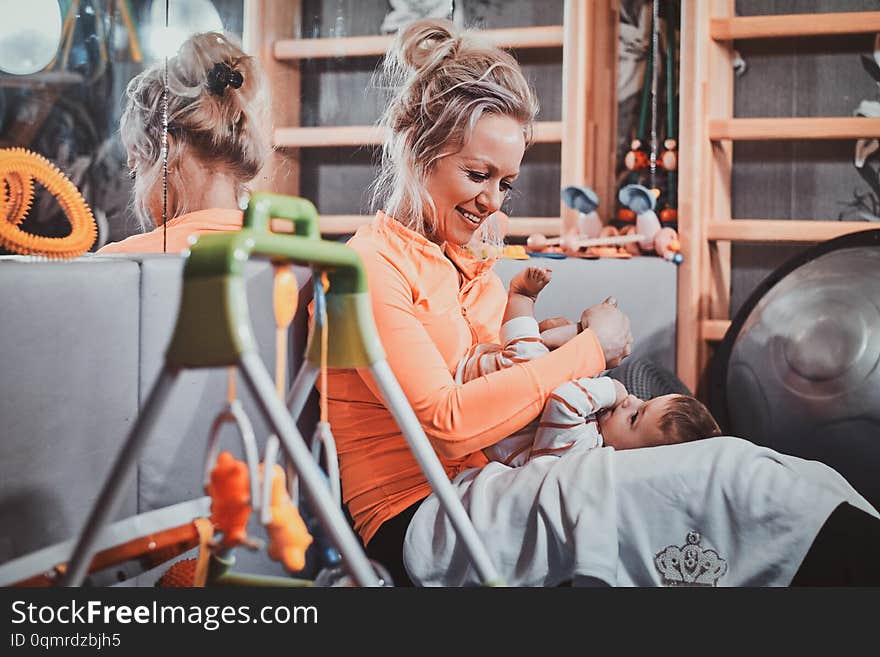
(715, 274)
(603, 105)
(704, 185)
(693, 158)
(589, 104)
(266, 21)
(576, 61)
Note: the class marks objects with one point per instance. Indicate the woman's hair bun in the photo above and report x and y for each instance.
(422, 41)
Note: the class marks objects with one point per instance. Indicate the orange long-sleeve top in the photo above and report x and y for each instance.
(430, 306)
(179, 230)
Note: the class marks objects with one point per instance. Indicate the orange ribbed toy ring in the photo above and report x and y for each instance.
(19, 167)
(18, 193)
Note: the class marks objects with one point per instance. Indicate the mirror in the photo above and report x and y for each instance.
(64, 67)
(29, 35)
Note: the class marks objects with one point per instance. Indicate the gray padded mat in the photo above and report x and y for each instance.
(67, 392)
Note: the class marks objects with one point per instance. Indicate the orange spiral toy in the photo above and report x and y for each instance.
(19, 167)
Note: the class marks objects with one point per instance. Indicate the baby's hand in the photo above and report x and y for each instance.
(530, 281)
(620, 393)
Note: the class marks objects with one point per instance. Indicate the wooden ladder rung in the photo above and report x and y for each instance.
(783, 230)
(794, 25)
(525, 226)
(713, 330)
(793, 128)
(344, 224)
(544, 36)
(325, 136)
(370, 135)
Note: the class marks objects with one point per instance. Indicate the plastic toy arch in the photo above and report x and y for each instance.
(213, 326)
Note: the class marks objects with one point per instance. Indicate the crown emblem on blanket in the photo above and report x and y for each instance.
(689, 564)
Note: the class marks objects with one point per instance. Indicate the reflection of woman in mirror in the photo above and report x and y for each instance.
(218, 141)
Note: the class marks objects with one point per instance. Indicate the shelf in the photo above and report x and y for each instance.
(783, 230)
(369, 135)
(328, 136)
(41, 79)
(549, 36)
(794, 25)
(344, 224)
(793, 128)
(713, 330)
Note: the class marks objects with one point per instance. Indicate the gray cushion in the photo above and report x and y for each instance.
(68, 394)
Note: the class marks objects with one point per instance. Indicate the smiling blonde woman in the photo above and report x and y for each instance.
(458, 122)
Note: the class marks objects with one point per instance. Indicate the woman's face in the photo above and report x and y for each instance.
(470, 185)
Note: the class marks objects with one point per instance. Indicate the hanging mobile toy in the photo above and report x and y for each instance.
(233, 485)
(669, 155)
(323, 436)
(231, 501)
(288, 536)
(648, 163)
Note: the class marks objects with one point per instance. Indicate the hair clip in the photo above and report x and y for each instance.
(222, 76)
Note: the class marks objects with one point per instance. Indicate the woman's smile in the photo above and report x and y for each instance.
(470, 217)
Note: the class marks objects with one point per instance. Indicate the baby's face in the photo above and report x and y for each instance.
(634, 422)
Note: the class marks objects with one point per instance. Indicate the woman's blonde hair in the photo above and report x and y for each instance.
(218, 110)
(442, 81)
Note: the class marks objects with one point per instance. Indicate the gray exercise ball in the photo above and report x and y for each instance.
(800, 365)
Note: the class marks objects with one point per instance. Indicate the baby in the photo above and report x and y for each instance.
(588, 412)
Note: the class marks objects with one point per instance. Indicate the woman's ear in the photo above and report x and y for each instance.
(172, 142)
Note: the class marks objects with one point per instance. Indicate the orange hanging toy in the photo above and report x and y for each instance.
(288, 536)
(19, 167)
(230, 500)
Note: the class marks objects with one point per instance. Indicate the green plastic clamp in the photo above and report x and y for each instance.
(213, 325)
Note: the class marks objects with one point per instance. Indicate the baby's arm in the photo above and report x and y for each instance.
(558, 335)
(579, 400)
(523, 291)
(569, 415)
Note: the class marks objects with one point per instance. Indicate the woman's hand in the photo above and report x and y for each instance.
(612, 328)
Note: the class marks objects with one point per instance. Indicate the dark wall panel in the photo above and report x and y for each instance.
(797, 77)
